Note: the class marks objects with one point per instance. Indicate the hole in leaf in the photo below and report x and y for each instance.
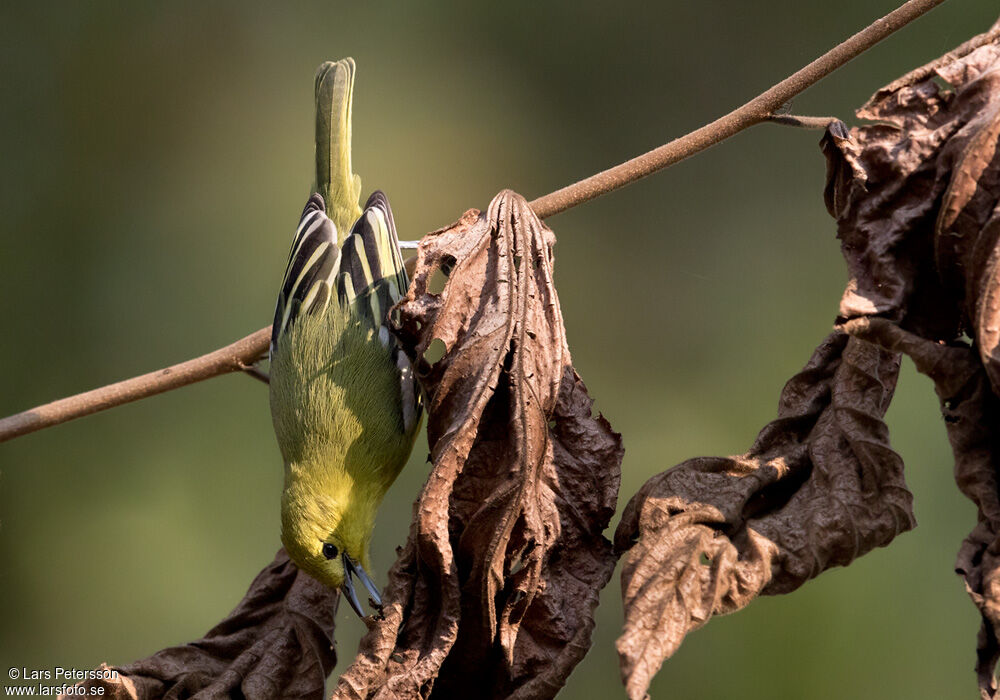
(438, 281)
(448, 264)
(704, 559)
(435, 351)
(942, 84)
(517, 262)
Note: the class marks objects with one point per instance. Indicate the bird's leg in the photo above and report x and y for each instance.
(255, 371)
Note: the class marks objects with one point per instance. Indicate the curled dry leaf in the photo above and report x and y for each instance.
(496, 586)
(278, 642)
(917, 202)
(819, 487)
(915, 198)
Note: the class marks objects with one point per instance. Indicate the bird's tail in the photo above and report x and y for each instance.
(335, 181)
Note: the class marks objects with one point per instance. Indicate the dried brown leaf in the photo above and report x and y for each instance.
(917, 201)
(496, 587)
(914, 194)
(277, 643)
(819, 487)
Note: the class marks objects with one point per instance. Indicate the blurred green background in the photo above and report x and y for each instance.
(155, 158)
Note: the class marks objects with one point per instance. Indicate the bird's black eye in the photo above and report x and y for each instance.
(330, 550)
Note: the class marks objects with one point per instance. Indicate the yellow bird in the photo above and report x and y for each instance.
(344, 402)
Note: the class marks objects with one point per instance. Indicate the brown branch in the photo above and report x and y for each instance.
(244, 352)
(232, 358)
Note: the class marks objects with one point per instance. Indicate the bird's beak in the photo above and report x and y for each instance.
(353, 569)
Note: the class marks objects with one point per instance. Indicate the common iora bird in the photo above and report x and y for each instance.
(345, 406)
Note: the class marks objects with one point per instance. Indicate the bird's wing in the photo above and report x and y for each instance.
(312, 266)
(371, 279)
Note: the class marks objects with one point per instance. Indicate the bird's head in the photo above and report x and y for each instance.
(328, 539)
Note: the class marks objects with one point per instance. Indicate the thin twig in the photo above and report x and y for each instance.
(802, 122)
(244, 352)
(257, 373)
